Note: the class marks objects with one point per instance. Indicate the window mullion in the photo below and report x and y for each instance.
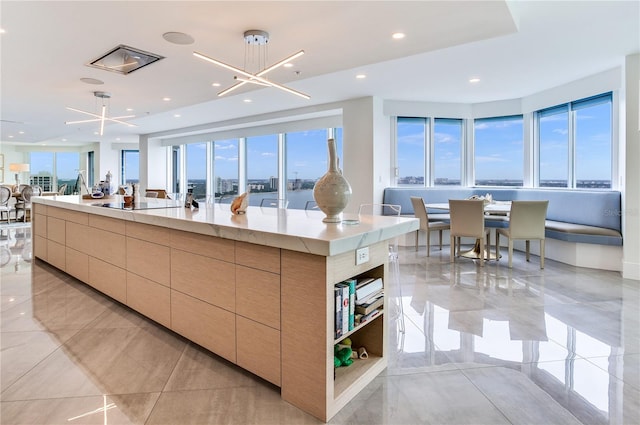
(572, 150)
(428, 151)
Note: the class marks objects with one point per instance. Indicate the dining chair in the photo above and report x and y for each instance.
(25, 204)
(394, 259)
(5, 197)
(311, 205)
(420, 211)
(526, 222)
(62, 189)
(467, 220)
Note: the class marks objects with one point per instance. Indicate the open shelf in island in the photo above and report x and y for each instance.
(369, 335)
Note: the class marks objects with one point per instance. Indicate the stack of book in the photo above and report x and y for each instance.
(357, 301)
(369, 299)
(345, 293)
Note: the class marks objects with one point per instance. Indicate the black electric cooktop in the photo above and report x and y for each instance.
(138, 205)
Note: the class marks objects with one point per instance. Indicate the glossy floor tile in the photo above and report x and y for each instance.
(487, 345)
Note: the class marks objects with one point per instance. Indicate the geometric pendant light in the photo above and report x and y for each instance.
(102, 116)
(255, 47)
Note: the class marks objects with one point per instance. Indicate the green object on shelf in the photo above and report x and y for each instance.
(342, 356)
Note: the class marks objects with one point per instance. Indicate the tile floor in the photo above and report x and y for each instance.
(481, 346)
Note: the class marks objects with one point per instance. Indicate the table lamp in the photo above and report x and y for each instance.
(18, 168)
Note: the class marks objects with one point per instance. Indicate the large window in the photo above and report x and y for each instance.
(575, 144)
(304, 151)
(67, 164)
(447, 150)
(51, 170)
(411, 151)
(593, 142)
(499, 151)
(553, 136)
(130, 171)
(197, 170)
(262, 167)
(225, 169)
(42, 171)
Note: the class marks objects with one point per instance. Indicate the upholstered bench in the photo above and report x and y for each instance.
(581, 216)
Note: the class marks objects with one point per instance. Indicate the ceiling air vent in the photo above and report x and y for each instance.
(124, 59)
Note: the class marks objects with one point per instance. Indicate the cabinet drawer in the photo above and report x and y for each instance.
(107, 223)
(56, 230)
(259, 349)
(56, 255)
(258, 295)
(209, 246)
(39, 223)
(149, 260)
(40, 247)
(108, 246)
(149, 298)
(68, 215)
(148, 232)
(207, 325)
(39, 209)
(77, 237)
(108, 279)
(77, 264)
(260, 257)
(204, 278)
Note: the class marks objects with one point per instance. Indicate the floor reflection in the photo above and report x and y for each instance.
(480, 345)
(564, 329)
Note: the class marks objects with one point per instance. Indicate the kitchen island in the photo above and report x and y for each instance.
(256, 289)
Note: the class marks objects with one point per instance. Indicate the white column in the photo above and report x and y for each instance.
(631, 142)
(366, 151)
(153, 164)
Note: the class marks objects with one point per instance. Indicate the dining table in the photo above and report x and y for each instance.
(492, 210)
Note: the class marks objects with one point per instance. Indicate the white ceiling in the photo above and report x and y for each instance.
(517, 48)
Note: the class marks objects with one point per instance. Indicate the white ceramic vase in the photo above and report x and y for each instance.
(332, 191)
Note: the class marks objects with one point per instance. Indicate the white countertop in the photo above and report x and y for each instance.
(297, 230)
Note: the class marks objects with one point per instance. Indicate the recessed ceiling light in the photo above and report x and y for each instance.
(166, 99)
(474, 80)
(64, 140)
(247, 100)
(10, 137)
(177, 115)
(129, 109)
(2, 31)
(398, 35)
(94, 81)
(178, 38)
(361, 76)
(95, 133)
(215, 84)
(21, 132)
(288, 65)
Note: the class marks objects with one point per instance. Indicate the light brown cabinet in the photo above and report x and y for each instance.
(270, 310)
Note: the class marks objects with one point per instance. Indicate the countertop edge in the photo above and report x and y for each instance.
(334, 239)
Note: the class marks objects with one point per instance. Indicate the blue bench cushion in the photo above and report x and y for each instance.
(587, 216)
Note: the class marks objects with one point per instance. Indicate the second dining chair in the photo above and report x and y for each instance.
(526, 222)
(420, 211)
(467, 220)
(394, 259)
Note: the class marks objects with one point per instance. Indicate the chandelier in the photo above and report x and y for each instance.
(102, 116)
(256, 42)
